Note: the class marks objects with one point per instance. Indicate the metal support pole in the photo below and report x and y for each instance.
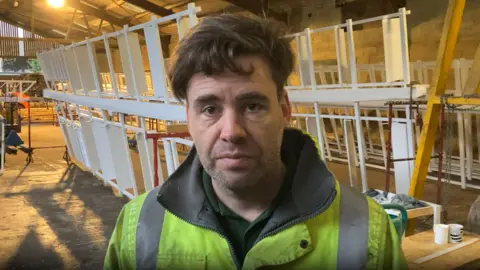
(361, 156)
(156, 137)
(440, 155)
(389, 148)
(155, 163)
(29, 127)
(319, 131)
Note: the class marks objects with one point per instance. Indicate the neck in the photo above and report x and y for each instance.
(249, 203)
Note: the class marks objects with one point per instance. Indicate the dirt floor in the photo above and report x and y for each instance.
(56, 216)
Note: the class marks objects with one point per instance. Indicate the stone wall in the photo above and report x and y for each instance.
(424, 29)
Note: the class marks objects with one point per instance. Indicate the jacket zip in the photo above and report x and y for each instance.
(285, 226)
(298, 220)
(230, 245)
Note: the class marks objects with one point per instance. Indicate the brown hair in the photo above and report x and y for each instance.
(212, 46)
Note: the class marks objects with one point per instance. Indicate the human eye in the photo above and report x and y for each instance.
(253, 107)
(210, 110)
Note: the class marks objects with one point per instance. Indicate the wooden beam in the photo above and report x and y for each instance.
(446, 48)
(86, 24)
(165, 41)
(259, 8)
(47, 21)
(56, 40)
(150, 7)
(99, 28)
(86, 9)
(473, 80)
(71, 23)
(24, 26)
(33, 19)
(113, 5)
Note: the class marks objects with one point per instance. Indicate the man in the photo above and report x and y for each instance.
(251, 193)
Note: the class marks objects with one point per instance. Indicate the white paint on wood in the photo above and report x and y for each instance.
(65, 134)
(89, 140)
(342, 60)
(168, 156)
(361, 146)
(400, 149)
(156, 61)
(461, 147)
(121, 158)
(85, 68)
(471, 84)
(103, 145)
(72, 69)
(185, 23)
(74, 141)
(468, 144)
(132, 52)
(82, 147)
(348, 96)
(144, 153)
(392, 46)
(304, 62)
(351, 154)
(156, 110)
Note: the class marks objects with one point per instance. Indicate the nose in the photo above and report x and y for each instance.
(232, 129)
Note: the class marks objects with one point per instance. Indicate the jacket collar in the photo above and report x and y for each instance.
(312, 191)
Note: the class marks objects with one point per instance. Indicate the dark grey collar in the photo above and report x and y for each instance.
(313, 188)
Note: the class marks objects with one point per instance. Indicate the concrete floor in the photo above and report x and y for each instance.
(56, 216)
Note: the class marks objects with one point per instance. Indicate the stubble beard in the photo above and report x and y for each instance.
(239, 182)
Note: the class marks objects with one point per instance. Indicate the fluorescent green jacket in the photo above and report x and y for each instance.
(320, 225)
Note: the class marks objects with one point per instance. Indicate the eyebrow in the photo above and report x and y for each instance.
(252, 96)
(205, 99)
(210, 98)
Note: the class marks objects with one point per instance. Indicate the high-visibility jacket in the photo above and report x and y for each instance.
(321, 224)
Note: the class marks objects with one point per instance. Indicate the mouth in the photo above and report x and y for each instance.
(234, 156)
(235, 161)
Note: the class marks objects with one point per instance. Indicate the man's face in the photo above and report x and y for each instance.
(237, 124)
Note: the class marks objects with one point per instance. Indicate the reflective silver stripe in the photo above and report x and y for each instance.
(353, 230)
(149, 230)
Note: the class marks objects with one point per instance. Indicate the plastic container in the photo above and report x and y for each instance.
(399, 221)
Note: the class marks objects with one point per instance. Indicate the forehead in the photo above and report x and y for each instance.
(231, 84)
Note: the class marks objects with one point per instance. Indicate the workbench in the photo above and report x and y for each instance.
(422, 244)
(431, 209)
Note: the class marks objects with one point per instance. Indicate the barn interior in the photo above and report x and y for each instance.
(88, 122)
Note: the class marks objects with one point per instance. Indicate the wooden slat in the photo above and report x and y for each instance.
(151, 7)
(473, 80)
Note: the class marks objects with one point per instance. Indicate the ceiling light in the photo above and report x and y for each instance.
(56, 3)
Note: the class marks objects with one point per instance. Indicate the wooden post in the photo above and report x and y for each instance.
(99, 27)
(446, 49)
(86, 24)
(448, 41)
(71, 23)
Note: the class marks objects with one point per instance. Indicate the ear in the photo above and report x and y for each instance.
(285, 105)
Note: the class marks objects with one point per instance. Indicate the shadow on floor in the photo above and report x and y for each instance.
(41, 258)
(76, 192)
